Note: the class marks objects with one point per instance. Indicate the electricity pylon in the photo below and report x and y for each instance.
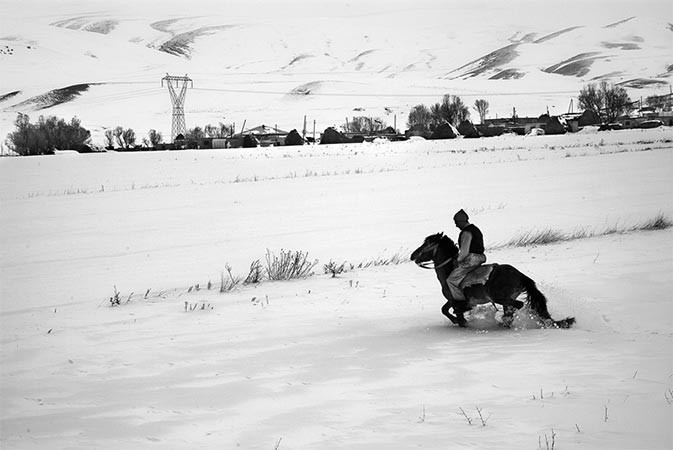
(178, 100)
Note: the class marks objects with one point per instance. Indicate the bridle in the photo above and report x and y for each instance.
(431, 264)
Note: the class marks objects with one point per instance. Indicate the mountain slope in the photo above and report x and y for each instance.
(249, 63)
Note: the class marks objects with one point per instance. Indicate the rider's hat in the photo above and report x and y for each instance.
(461, 216)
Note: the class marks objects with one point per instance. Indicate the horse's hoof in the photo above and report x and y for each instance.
(452, 318)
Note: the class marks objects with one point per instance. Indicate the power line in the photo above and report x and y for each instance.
(396, 95)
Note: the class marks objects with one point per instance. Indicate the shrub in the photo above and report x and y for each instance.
(660, 222)
(228, 282)
(288, 265)
(255, 274)
(334, 268)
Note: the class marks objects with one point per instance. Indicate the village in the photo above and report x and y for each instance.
(571, 122)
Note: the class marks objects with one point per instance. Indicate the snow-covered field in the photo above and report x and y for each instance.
(364, 360)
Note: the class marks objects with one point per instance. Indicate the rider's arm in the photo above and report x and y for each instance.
(464, 246)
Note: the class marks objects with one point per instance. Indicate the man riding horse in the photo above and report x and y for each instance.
(466, 281)
(471, 255)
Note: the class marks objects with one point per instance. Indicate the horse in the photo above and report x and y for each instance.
(488, 283)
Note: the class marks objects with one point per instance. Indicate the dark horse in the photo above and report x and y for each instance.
(489, 283)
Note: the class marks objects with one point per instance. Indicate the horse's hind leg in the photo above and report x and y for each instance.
(508, 315)
(510, 306)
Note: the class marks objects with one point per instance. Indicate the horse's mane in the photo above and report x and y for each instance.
(448, 242)
(445, 241)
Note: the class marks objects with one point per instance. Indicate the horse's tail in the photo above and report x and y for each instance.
(538, 302)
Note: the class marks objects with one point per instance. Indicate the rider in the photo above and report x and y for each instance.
(470, 255)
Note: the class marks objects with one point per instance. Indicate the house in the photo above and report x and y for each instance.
(518, 125)
(266, 136)
(635, 120)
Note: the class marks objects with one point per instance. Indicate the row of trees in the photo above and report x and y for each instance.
(121, 137)
(46, 135)
(450, 110)
(51, 133)
(364, 125)
(605, 99)
(218, 131)
(126, 138)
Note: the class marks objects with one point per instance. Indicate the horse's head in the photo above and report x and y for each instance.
(432, 246)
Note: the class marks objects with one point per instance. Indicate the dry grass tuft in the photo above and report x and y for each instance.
(551, 236)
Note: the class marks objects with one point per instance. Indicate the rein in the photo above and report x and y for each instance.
(431, 264)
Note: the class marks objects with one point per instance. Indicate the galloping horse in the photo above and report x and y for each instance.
(489, 283)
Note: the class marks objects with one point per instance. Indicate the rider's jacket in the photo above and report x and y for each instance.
(477, 243)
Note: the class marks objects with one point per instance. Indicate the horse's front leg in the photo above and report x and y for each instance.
(460, 318)
(447, 313)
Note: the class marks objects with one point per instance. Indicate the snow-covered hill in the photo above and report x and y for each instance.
(273, 63)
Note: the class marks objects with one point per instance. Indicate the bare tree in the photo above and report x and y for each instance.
(129, 137)
(211, 131)
(456, 110)
(605, 99)
(617, 101)
(154, 138)
(109, 138)
(590, 99)
(481, 106)
(220, 130)
(419, 119)
(195, 133)
(451, 110)
(436, 114)
(118, 133)
(364, 124)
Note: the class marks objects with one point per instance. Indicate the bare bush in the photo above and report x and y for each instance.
(228, 282)
(334, 268)
(255, 274)
(288, 265)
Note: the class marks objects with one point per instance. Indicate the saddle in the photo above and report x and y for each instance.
(478, 275)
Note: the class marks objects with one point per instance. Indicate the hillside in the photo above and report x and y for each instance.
(270, 63)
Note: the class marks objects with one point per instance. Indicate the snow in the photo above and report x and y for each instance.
(364, 360)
